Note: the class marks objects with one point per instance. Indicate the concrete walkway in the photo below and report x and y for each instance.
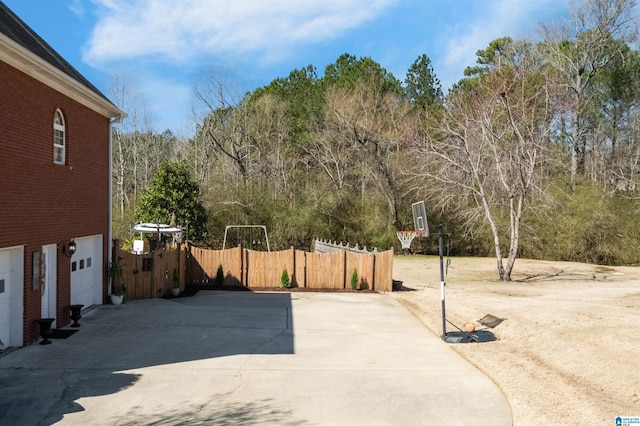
(248, 358)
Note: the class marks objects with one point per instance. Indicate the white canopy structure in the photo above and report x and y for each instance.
(158, 229)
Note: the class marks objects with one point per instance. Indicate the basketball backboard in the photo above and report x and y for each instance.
(421, 226)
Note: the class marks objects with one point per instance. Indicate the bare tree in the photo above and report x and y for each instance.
(364, 129)
(120, 91)
(330, 148)
(225, 114)
(484, 156)
(267, 129)
(137, 150)
(577, 51)
(129, 141)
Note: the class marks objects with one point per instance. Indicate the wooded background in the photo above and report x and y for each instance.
(534, 154)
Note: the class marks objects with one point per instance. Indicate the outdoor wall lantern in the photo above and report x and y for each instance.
(70, 248)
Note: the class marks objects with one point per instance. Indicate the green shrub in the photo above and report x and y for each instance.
(284, 279)
(219, 280)
(588, 224)
(115, 274)
(175, 279)
(354, 279)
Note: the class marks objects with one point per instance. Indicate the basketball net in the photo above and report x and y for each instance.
(405, 238)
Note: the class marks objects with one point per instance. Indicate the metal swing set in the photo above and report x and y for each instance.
(253, 242)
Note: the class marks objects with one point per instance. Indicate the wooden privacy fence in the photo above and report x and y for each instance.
(258, 269)
(151, 275)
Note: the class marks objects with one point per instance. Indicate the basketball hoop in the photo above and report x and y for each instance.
(405, 238)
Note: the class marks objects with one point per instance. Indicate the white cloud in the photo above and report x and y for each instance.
(169, 102)
(517, 19)
(77, 8)
(186, 29)
(149, 99)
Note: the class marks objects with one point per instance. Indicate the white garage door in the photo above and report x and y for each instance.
(86, 273)
(11, 296)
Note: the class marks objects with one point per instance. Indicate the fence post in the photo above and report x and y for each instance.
(244, 266)
(373, 272)
(344, 269)
(183, 270)
(294, 278)
(304, 270)
(153, 274)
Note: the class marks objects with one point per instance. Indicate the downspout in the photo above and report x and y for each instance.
(113, 120)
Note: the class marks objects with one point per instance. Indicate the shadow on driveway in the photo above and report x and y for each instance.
(41, 384)
(231, 358)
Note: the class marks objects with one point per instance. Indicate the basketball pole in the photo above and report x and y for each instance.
(442, 284)
(421, 226)
(459, 336)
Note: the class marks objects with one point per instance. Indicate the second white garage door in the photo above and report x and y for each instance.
(86, 272)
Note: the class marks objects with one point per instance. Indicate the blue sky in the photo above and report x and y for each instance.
(165, 46)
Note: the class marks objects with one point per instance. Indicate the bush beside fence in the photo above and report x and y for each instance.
(151, 275)
(257, 269)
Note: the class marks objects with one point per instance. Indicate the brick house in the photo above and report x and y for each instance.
(55, 189)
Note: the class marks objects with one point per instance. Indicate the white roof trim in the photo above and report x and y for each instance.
(20, 58)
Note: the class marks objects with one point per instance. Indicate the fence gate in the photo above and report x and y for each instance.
(152, 274)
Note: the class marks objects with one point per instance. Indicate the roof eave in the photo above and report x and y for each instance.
(16, 56)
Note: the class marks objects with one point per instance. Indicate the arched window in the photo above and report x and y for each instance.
(58, 137)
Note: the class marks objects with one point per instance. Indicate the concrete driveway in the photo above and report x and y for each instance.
(248, 358)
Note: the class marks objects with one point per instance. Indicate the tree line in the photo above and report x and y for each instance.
(534, 153)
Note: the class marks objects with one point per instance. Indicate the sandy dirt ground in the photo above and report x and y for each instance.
(568, 348)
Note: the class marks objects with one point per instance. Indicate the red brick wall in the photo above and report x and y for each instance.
(43, 203)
